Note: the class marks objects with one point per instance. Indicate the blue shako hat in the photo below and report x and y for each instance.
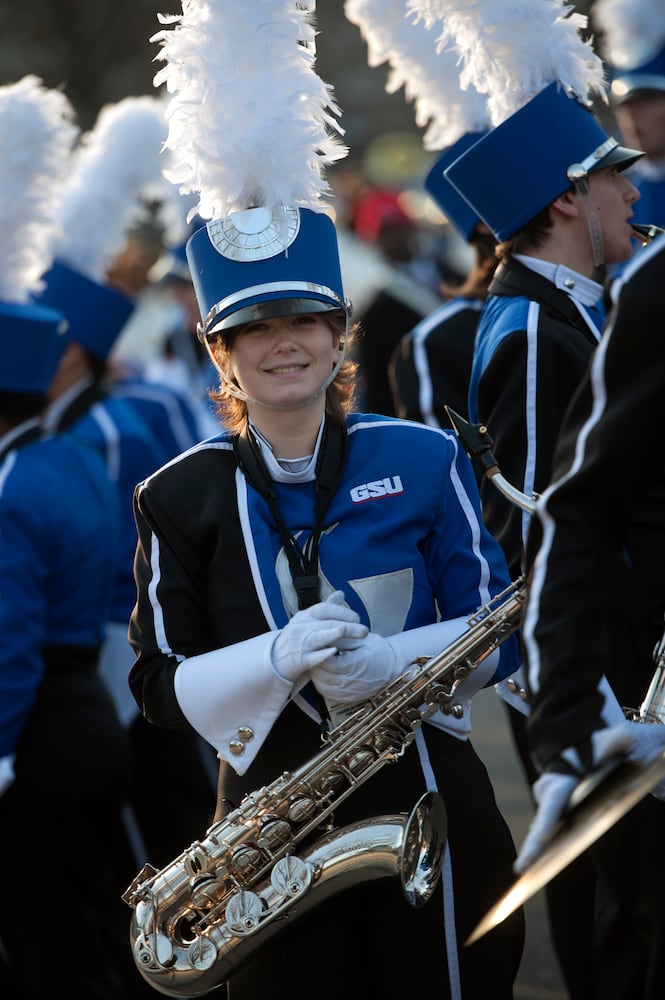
(95, 313)
(262, 262)
(456, 208)
(31, 343)
(628, 80)
(523, 164)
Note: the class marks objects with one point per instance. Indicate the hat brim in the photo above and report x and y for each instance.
(270, 309)
(620, 156)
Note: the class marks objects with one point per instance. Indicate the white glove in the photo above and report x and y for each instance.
(648, 742)
(553, 789)
(315, 634)
(358, 671)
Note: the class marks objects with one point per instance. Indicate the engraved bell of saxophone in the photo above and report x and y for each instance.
(206, 914)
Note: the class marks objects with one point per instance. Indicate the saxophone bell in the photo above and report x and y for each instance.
(188, 950)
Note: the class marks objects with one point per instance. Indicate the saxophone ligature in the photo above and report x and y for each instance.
(205, 914)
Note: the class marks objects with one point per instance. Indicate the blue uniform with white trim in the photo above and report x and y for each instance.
(405, 542)
(59, 531)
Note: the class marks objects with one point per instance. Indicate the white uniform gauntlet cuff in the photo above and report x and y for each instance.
(232, 696)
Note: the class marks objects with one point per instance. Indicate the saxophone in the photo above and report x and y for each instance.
(205, 914)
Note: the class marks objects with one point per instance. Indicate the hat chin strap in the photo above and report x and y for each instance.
(579, 177)
(235, 390)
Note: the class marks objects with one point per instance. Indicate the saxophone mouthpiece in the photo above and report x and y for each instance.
(476, 441)
(646, 233)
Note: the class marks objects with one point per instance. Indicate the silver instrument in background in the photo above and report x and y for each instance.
(604, 796)
(205, 915)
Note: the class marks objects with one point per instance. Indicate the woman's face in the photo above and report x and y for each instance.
(284, 361)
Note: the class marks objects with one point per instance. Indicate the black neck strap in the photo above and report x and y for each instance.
(330, 462)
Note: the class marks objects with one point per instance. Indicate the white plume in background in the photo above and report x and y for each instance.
(633, 30)
(37, 132)
(430, 77)
(512, 49)
(115, 166)
(250, 121)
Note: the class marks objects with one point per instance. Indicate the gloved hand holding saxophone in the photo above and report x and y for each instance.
(346, 662)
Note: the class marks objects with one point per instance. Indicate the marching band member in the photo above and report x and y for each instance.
(112, 168)
(552, 186)
(298, 561)
(64, 755)
(633, 41)
(606, 460)
(430, 366)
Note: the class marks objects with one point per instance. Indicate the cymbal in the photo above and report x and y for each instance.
(598, 802)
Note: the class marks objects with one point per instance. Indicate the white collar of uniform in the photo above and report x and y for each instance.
(289, 470)
(579, 287)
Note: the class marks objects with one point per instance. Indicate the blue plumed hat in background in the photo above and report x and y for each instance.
(96, 313)
(540, 78)
(523, 165)
(37, 132)
(457, 209)
(253, 145)
(633, 43)
(116, 166)
(649, 75)
(453, 117)
(31, 344)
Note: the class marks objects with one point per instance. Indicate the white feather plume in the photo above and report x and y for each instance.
(512, 49)
(633, 30)
(250, 121)
(429, 75)
(37, 132)
(115, 166)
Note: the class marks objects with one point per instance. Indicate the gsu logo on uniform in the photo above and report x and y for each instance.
(377, 488)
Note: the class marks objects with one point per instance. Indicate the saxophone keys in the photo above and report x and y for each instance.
(243, 912)
(302, 809)
(201, 954)
(274, 833)
(291, 876)
(245, 862)
(205, 891)
(153, 951)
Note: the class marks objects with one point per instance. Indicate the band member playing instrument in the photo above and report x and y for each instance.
(298, 561)
(553, 187)
(606, 461)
